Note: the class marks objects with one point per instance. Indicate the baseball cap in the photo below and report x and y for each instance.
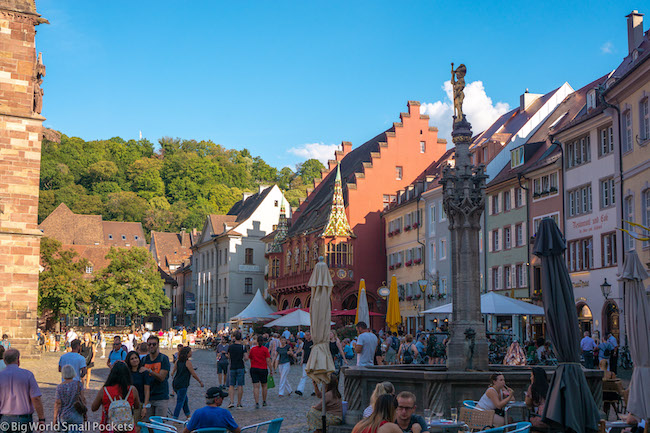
(215, 392)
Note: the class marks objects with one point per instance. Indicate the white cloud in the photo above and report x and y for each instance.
(607, 48)
(321, 151)
(477, 106)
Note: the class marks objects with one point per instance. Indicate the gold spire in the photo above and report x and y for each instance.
(337, 224)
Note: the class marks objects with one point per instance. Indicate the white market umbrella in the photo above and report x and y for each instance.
(362, 308)
(257, 310)
(295, 318)
(493, 303)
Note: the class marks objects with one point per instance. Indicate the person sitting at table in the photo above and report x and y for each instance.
(381, 389)
(382, 419)
(496, 398)
(536, 397)
(333, 407)
(638, 424)
(406, 419)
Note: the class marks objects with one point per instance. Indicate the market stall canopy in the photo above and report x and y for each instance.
(336, 313)
(257, 310)
(296, 318)
(493, 303)
(288, 310)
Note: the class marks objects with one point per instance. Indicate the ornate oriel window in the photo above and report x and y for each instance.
(339, 255)
(275, 268)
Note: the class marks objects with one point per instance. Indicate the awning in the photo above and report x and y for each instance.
(499, 305)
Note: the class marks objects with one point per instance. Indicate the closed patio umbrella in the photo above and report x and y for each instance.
(393, 315)
(362, 286)
(320, 363)
(637, 323)
(363, 313)
(569, 402)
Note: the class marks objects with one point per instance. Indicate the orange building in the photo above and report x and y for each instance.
(341, 217)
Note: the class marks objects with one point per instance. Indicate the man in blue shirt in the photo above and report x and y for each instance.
(74, 359)
(212, 415)
(587, 344)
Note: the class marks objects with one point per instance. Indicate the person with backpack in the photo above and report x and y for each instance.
(392, 347)
(407, 351)
(118, 353)
(118, 398)
(605, 350)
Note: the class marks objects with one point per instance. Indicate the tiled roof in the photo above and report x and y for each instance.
(166, 277)
(243, 209)
(579, 106)
(628, 64)
(95, 254)
(73, 229)
(317, 209)
(122, 234)
(170, 248)
(217, 222)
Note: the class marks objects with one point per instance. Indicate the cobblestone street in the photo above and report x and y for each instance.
(292, 408)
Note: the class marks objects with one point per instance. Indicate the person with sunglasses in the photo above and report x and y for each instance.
(118, 353)
(159, 366)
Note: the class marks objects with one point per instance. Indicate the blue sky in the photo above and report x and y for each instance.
(273, 76)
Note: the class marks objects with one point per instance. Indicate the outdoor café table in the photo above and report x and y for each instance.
(616, 426)
(446, 426)
(517, 405)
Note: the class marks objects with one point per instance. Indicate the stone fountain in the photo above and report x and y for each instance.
(466, 375)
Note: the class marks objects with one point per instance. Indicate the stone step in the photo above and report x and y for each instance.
(27, 347)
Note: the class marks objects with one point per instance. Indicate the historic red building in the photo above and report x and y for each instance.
(341, 217)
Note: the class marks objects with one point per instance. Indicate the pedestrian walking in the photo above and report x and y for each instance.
(101, 337)
(408, 352)
(183, 370)
(74, 359)
(306, 352)
(70, 404)
(20, 396)
(70, 337)
(117, 353)
(613, 359)
(88, 352)
(366, 345)
(141, 380)
(237, 354)
(118, 386)
(260, 369)
(336, 349)
(222, 361)
(158, 366)
(284, 355)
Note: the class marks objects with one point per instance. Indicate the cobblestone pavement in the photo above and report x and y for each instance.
(292, 408)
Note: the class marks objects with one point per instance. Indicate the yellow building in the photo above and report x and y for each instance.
(628, 90)
(405, 237)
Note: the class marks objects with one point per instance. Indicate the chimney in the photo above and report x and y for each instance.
(246, 195)
(634, 30)
(526, 99)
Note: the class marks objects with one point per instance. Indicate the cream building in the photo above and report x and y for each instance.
(628, 90)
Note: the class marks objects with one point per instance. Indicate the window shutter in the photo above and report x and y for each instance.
(513, 276)
(500, 235)
(512, 198)
(500, 202)
(499, 278)
(490, 279)
(524, 239)
(524, 273)
(489, 200)
(490, 241)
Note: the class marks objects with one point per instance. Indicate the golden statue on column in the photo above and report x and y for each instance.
(458, 84)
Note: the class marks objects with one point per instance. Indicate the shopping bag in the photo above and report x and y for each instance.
(270, 382)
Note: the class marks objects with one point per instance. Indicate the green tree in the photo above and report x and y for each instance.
(102, 171)
(310, 170)
(285, 177)
(126, 206)
(131, 283)
(62, 288)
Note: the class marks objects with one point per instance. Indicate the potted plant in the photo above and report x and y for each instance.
(441, 296)
(407, 228)
(409, 262)
(409, 298)
(417, 261)
(417, 296)
(537, 195)
(553, 190)
(390, 234)
(398, 265)
(430, 296)
(391, 267)
(416, 225)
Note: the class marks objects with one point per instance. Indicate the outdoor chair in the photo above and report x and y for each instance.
(520, 427)
(272, 426)
(146, 427)
(166, 421)
(475, 419)
(614, 395)
(471, 404)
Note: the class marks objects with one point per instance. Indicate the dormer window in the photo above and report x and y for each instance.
(591, 99)
(517, 157)
(110, 237)
(89, 269)
(137, 237)
(123, 237)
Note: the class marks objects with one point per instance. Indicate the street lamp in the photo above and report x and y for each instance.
(606, 288)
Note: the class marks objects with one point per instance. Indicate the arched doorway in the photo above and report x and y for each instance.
(611, 319)
(296, 303)
(350, 303)
(285, 304)
(308, 302)
(585, 318)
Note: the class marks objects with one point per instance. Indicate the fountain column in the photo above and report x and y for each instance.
(464, 201)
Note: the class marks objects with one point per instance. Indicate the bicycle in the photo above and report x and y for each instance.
(624, 358)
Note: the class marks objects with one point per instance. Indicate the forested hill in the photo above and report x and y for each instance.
(166, 189)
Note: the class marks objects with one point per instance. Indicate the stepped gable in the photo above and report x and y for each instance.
(243, 209)
(313, 214)
(123, 234)
(73, 229)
